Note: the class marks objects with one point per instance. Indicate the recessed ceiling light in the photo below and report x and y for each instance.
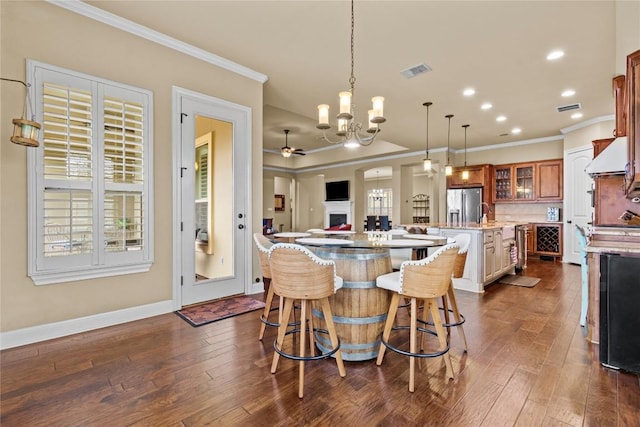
(556, 54)
(501, 118)
(469, 91)
(568, 92)
(486, 106)
(576, 115)
(516, 130)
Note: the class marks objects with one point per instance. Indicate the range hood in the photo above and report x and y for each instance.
(612, 160)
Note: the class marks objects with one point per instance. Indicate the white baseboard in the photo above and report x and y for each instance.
(82, 324)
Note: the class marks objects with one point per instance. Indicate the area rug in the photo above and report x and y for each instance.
(198, 315)
(527, 282)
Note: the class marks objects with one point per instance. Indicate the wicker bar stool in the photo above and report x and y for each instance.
(299, 275)
(264, 246)
(463, 240)
(428, 280)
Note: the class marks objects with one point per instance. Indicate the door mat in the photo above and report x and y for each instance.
(202, 314)
(527, 282)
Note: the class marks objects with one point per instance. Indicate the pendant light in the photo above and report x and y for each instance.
(465, 171)
(25, 131)
(427, 161)
(448, 169)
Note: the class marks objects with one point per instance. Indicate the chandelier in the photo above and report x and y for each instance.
(377, 193)
(349, 131)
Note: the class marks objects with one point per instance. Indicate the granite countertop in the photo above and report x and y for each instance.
(621, 247)
(615, 241)
(491, 225)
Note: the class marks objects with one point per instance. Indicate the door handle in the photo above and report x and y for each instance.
(568, 221)
(241, 226)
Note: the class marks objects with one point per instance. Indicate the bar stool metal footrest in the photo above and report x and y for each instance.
(410, 354)
(306, 358)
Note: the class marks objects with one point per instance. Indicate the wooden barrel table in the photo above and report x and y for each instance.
(360, 307)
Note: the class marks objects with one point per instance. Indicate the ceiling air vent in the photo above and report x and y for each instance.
(569, 107)
(415, 70)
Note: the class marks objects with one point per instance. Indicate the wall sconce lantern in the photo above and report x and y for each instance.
(25, 132)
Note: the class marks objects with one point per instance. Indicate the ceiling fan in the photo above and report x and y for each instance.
(288, 151)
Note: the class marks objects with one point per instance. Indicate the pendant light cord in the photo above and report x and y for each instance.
(426, 151)
(27, 107)
(448, 116)
(465, 144)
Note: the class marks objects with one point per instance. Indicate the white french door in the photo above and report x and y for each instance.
(212, 188)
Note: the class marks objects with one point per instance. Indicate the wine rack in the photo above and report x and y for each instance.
(548, 240)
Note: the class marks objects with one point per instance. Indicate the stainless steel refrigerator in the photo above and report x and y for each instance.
(464, 206)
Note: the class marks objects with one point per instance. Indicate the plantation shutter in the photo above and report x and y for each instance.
(90, 201)
(68, 176)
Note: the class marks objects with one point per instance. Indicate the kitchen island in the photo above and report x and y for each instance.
(491, 251)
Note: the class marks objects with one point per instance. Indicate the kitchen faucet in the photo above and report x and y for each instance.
(481, 210)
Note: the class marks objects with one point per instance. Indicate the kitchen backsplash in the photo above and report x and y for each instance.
(525, 212)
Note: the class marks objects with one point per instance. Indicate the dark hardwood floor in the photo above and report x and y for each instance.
(528, 365)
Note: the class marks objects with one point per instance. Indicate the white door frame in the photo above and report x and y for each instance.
(178, 94)
(569, 250)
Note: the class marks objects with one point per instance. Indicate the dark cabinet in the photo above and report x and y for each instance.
(619, 321)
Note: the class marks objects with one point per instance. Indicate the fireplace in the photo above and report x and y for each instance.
(337, 219)
(336, 213)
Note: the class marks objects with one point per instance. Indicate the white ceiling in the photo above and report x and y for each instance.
(497, 47)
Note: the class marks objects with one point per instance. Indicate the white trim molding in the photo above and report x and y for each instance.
(49, 331)
(131, 27)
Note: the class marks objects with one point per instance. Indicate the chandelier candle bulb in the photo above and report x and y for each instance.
(323, 116)
(345, 105)
(378, 109)
(373, 127)
(342, 127)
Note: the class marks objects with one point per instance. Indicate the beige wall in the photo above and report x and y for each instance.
(584, 136)
(43, 32)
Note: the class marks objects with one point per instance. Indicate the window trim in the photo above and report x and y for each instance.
(109, 265)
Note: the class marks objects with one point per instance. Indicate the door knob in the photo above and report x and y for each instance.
(568, 221)
(241, 226)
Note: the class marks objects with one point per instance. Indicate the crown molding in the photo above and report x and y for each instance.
(587, 123)
(131, 27)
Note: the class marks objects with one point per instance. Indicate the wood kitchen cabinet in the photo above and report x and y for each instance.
(514, 183)
(528, 182)
(622, 107)
(633, 123)
(545, 239)
(479, 176)
(549, 180)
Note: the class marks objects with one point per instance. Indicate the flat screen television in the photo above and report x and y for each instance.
(336, 191)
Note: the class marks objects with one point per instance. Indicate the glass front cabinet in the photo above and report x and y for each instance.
(514, 183)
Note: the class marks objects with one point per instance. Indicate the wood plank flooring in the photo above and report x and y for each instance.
(528, 365)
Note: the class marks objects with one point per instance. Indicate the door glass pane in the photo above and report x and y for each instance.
(214, 207)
